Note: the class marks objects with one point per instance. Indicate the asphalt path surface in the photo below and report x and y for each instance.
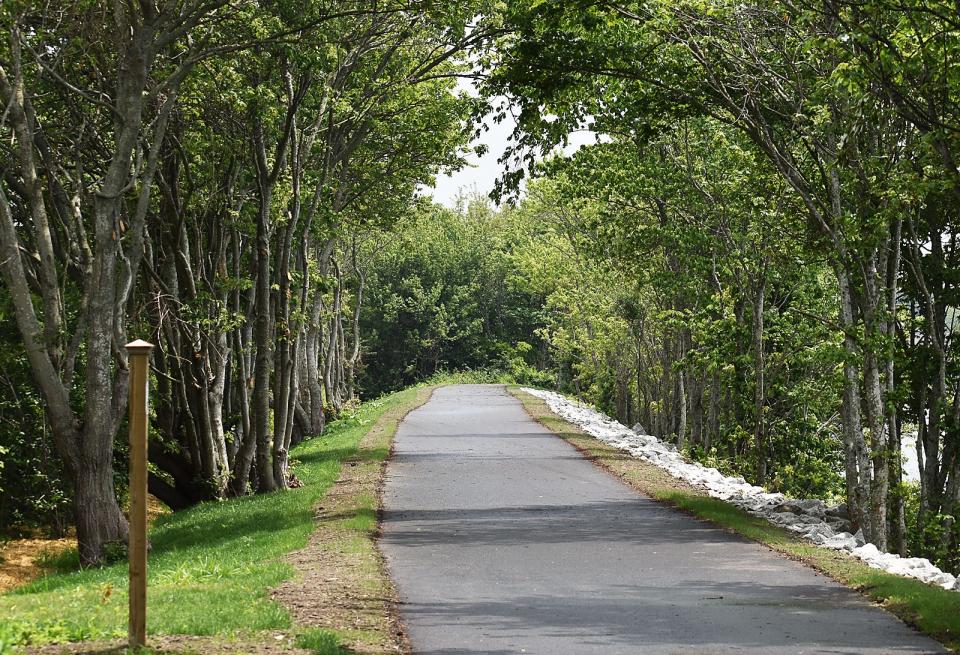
(502, 538)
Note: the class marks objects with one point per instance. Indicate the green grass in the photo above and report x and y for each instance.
(930, 609)
(321, 642)
(210, 567)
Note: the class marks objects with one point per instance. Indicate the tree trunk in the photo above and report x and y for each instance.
(759, 430)
(263, 363)
(682, 405)
(248, 443)
(856, 457)
(99, 519)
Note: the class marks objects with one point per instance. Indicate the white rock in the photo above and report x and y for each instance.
(841, 541)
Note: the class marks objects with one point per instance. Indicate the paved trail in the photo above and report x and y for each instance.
(502, 539)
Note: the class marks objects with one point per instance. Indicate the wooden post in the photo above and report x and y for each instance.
(139, 356)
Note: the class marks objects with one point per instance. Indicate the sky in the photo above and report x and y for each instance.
(482, 172)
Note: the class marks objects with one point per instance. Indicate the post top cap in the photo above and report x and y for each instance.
(139, 346)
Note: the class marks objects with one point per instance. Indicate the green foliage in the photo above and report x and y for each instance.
(646, 283)
(33, 489)
(754, 151)
(9, 638)
(445, 295)
(309, 124)
(521, 374)
(934, 534)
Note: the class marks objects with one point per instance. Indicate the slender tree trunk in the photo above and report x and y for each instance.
(856, 456)
(695, 392)
(874, 361)
(263, 364)
(248, 443)
(759, 430)
(714, 414)
(682, 404)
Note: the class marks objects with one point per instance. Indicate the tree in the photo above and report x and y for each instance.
(114, 211)
(86, 142)
(770, 71)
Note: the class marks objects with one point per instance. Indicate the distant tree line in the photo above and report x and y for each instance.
(447, 292)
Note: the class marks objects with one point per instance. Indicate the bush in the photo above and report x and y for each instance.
(33, 488)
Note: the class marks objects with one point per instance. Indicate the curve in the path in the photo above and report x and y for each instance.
(502, 538)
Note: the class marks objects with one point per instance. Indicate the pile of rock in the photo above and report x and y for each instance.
(814, 520)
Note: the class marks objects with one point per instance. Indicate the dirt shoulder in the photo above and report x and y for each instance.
(342, 583)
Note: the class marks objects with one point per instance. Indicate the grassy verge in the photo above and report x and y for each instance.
(930, 609)
(342, 575)
(211, 566)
